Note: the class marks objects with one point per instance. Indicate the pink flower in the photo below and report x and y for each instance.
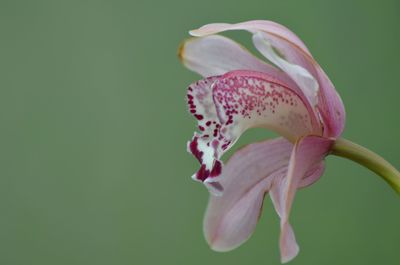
(293, 97)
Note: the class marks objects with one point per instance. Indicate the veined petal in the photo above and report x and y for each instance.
(251, 172)
(294, 51)
(307, 154)
(228, 105)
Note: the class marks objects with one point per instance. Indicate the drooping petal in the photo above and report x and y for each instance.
(289, 240)
(231, 218)
(228, 105)
(307, 154)
(294, 51)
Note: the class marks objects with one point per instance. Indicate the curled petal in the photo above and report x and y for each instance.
(294, 51)
(228, 105)
(251, 172)
(252, 26)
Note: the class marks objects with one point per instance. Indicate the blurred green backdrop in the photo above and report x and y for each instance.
(94, 168)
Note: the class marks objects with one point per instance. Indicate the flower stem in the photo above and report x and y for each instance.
(367, 158)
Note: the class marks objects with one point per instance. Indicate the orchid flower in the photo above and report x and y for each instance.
(292, 96)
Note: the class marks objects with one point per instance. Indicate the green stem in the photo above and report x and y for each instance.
(367, 158)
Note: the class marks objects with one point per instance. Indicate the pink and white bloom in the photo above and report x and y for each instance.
(291, 96)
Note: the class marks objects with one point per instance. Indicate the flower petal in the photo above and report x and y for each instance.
(294, 51)
(228, 105)
(307, 154)
(330, 105)
(301, 76)
(231, 218)
(289, 240)
(216, 55)
(253, 26)
(202, 107)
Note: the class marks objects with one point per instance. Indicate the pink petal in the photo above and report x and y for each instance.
(216, 55)
(231, 218)
(306, 155)
(295, 52)
(330, 104)
(252, 26)
(226, 106)
(313, 175)
(300, 75)
(289, 243)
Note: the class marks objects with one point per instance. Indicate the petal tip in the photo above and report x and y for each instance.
(181, 50)
(290, 257)
(194, 33)
(194, 177)
(220, 248)
(288, 245)
(218, 244)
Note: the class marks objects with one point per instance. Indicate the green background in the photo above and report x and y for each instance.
(93, 162)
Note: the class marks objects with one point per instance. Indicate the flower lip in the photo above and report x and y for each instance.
(226, 106)
(316, 124)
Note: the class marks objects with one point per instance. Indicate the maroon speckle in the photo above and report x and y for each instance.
(216, 170)
(193, 146)
(215, 133)
(203, 173)
(199, 116)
